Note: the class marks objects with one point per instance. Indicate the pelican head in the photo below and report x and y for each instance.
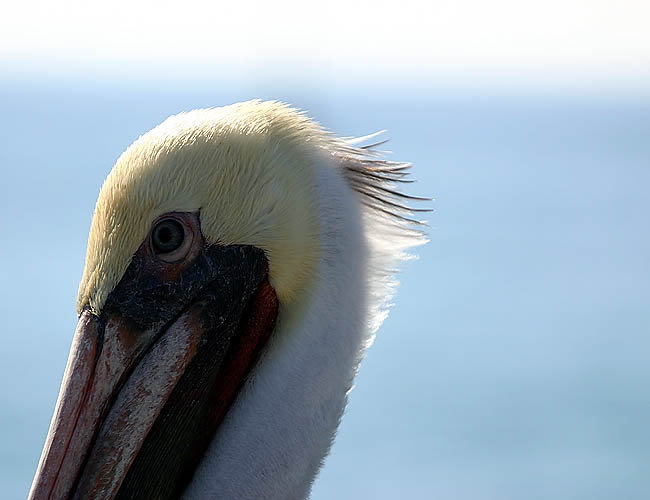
(239, 262)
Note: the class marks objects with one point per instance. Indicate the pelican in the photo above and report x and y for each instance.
(240, 260)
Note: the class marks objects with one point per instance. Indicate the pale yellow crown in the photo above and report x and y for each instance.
(247, 168)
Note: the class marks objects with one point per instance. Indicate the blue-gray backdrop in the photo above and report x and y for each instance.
(515, 363)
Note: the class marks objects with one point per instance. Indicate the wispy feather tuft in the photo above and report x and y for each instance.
(378, 180)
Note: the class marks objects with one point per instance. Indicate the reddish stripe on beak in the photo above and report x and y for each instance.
(57, 457)
(91, 383)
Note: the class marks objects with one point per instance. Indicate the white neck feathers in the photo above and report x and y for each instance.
(279, 430)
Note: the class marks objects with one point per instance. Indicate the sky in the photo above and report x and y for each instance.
(577, 44)
(513, 363)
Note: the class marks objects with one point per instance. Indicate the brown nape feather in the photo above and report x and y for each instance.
(376, 181)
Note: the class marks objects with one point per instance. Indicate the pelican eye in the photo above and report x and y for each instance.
(167, 236)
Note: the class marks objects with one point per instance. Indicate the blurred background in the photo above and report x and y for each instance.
(515, 362)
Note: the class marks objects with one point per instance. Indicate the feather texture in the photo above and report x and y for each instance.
(330, 216)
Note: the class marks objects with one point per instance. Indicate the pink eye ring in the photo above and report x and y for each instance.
(171, 239)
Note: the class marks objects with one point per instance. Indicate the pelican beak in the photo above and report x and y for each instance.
(150, 378)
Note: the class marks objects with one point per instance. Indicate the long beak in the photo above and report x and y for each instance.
(93, 375)
(121, 376)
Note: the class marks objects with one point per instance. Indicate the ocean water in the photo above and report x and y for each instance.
(515, 362)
